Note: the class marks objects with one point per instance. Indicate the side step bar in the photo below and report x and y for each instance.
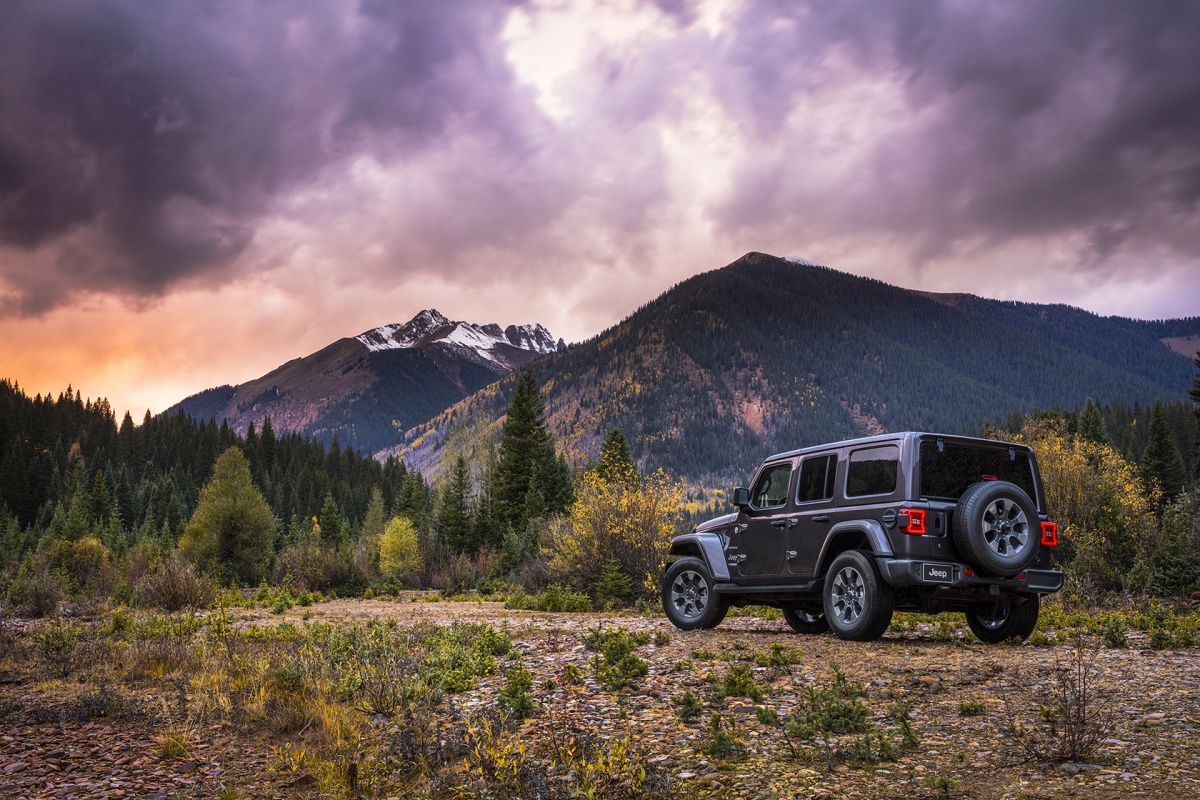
(783, 588)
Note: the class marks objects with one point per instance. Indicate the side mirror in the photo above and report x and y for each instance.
(741, 497)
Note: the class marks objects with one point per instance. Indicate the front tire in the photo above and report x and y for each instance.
(688, 596)
(858, 604)
(809, 623)
(1015, 618)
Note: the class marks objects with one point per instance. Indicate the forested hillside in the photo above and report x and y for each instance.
(358, 389)
(67, 467)
(766, 355)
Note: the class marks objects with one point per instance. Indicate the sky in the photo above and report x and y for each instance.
(194, 192)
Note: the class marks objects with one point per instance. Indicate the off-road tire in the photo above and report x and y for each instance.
(688, 596)
(995, 623)
(996, 528)
(858, 603)
(809, 623)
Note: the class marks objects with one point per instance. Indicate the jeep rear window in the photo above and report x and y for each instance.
(949, 473)
(872, 471)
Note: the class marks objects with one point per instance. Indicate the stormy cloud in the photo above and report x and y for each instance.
(998, 122)
(345, 164)
(148, 139)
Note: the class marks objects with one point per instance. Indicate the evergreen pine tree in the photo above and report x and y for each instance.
(455, 521)
(99, 505)
(1091, 426)
(330, 521)
(616, 461)
(233, 528)
(268, 444)
(1161, 461)
(376, 516)
(524, 442)
(614, 585)
(535, 498)
(557, 484)
(413, 501)
(483, 526)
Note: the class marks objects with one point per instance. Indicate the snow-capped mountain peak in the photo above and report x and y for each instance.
(802, 261)
(480, 343)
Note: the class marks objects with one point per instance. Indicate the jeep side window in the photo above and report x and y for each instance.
(873, 471)
(816, 479)
(772, 486)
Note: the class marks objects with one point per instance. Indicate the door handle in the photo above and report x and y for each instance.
(821, 518)
(779, 523)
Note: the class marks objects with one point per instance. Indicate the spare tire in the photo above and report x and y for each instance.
(996, 528)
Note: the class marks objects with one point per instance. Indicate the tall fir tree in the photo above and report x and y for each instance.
(616, 461)
(484, 528)
(376, 517)
(233, 529)
(1091, 425)
(330, 521)
(1161, 461)
(525, 442)
(454, 518)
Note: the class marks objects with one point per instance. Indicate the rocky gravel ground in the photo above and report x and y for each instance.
(102, 735)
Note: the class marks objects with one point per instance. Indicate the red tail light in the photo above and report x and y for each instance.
(916, 521)
(1050, 534)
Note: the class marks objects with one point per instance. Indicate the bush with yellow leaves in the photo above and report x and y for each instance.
(400, 549)
(629, 522)
(1107, 526)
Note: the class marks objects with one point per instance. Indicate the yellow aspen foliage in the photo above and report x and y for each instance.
(629, 522)
(400, 549)
(1107, 526)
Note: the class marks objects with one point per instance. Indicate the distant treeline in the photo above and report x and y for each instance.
(66, 462)
(1127, 427)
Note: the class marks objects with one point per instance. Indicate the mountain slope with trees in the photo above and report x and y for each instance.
(767, 354)
(357, 387)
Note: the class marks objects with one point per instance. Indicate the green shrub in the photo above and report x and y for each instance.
(821, 725)
(572, 675)
(615, 663)
(174, 586)
(900, 711)
(36, 591)
(614, 586)
(1161, 638)
(723, 738)
(61, 646)
(740, 683)
(1113, 628)
(689, 706)
(972, 708)
(514, 697)
(778, 659)
(557, 598)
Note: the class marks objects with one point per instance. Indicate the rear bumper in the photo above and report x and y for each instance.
(914, 572)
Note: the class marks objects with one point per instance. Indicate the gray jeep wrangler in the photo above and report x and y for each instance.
(839, 536)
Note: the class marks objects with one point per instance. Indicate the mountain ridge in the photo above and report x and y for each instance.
(767, 354)
(357, 387)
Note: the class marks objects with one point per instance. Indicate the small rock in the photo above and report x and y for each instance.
(1072, 768)
(15, 767)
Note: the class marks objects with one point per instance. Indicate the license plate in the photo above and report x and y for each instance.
(937, 573)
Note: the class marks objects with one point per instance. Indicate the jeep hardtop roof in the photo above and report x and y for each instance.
(894, 437)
